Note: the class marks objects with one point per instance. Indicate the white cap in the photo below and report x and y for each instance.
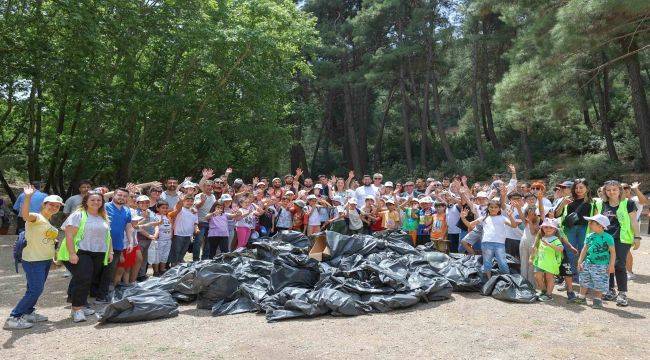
(482, 194)
(142, 198)
(370, 197)
(550, 223)
(53, 199)
(426, 200)
(352, 201)
(299, 203)
(225, 197)
(389, 184)
(136, 218)
(189, 184)
(318, 186)
(311, 197)
(337, 199)
(289, 193)
(390, 201)
(599, 218)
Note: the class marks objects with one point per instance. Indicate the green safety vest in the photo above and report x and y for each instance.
(565, 213)
(626, 233)
(547, 258)
(64, 254)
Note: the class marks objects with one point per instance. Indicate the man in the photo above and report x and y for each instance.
(308, 185)
(409, 191)
(119, 217)
(203, 202)
(366, 190)
(376, 181)
(35, 204)
(74, 201)
(420, 187)
(324, 182)
(171, 195)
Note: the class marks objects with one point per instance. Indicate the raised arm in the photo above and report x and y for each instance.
(24, 209)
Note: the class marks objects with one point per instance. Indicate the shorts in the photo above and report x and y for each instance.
(565, 266)
(159, 252)
(594, 277)
(129, 257)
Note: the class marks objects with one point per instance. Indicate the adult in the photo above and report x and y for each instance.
(120, 219)
(74, 201)
(38, 253)
(377, 179)
(624, 228)
(368, 189)
(35, 204)
(633, 193)
(154, 196)
(572, 210)
(203, 202)
(87, 250)
(409, 191)
(325, 183)
(147, 232)
(171, 195)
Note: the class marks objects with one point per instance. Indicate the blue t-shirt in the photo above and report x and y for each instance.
(119, 218)
(35, 203)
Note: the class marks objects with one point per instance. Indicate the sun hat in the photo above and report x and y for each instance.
(599, 218)
(53, 199)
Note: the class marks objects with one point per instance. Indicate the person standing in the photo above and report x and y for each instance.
(35, 204)
(38, 253)
(368, 189)
(74, 201)
(203, 202)
(171, 195)
(119, 217)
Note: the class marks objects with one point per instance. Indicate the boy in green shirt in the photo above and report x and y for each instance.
(596, 261)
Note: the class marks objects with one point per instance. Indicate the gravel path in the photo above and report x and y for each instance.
(469, 326)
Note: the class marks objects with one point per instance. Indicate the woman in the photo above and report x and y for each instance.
(624, 228)
(37, 258)
(86, 249)
(572, 211)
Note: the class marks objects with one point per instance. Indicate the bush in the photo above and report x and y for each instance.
(596, 168)
(541, 170)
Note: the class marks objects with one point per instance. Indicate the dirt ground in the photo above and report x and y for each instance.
(468, 326)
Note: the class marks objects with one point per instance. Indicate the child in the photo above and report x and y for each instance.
(425, 217)
(531, 226)
(186, 224)
(368, 213)
(312, 213)
(217, 229)
(391, 217)
(353, 217)
(298, 213)
(410, 224)
(596, 261)
(439, 228)
(245, 221)
(547, 257)
(493, 241)
(147, 231)
(161, 246)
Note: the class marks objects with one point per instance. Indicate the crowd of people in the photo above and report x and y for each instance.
(570, 233)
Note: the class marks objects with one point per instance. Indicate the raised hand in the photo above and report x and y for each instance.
(464, 213)
(207, 173)
(157, 184)
(298, 172)
(512, 168)
(635, 185)
(29, 190)
(351, 174)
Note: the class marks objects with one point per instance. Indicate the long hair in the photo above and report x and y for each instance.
(102, 209)
(612, 183)
(586, 184)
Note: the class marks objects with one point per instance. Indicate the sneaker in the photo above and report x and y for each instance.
(34, 317)
(580, 301)
(545, 298)
(610, 295)
(78, 316)
(101, 301)
(571, 296)
(66, 274)
(621, 300)
(561, 287)
(631, 276)
(88, 310)
(17, 323)
(598, 304)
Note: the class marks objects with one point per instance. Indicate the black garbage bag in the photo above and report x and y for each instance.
(294, 238)
(238, 306)
(463, 272)
(295, 271)
(394, 236)
(344, 245)
(268, 249)
(135, 303)
(510, 287)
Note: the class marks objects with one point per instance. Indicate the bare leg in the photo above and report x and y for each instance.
(629, 262)
(549, 283)
(136, 266)
(539, 280)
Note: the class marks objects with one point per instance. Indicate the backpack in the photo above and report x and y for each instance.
(19, 246)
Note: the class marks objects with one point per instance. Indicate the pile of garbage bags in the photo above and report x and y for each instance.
(358, 274)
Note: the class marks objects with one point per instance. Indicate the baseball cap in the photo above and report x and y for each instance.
(390, 201)
(311, 197)
(482, 194)
(389, 184)
(289, 193)
(550, 223)
(142, 198)
(567, 184)
(369, 197)
(225, 197)
(352, 201)
(599, 218)
(337, 199)
(318, 186)
(238, 182)
(53, 199)
(299, 203)
(426, 200)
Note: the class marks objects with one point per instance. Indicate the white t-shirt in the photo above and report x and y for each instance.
(72, 204)
(164, 229)
(363, 191)
(184, 223)
(355, 219)
(207, 205)
(514, 233)
(453, 216)
(314, 217)
(95, 230)
(494, 229)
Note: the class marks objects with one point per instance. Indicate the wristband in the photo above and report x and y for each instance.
(637, 238)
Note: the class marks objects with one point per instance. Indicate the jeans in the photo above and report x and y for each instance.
(462, 234)
(217, 242)
(491, 251)
(576, 236)
(619, 277)
(144, 247)
(90, 264)
(36, 274)
(454, 241)
(201, 237)
(107, 274)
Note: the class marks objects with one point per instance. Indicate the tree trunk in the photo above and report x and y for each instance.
(603, 103)
(31, 118)
(485, 95)
(406, 134)
(441, 127)
(57, 147)
(362, 126)
(525, 147)
(382, 125)
(475, 107)
(349, 129)
(297, 152)
(639, 103)
(7, 188)
(422, 114)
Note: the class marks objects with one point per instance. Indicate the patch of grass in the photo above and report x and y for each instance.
(527, 335)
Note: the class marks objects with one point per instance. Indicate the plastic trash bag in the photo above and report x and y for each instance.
(135, 303)
(510, 287)
(294, 238)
